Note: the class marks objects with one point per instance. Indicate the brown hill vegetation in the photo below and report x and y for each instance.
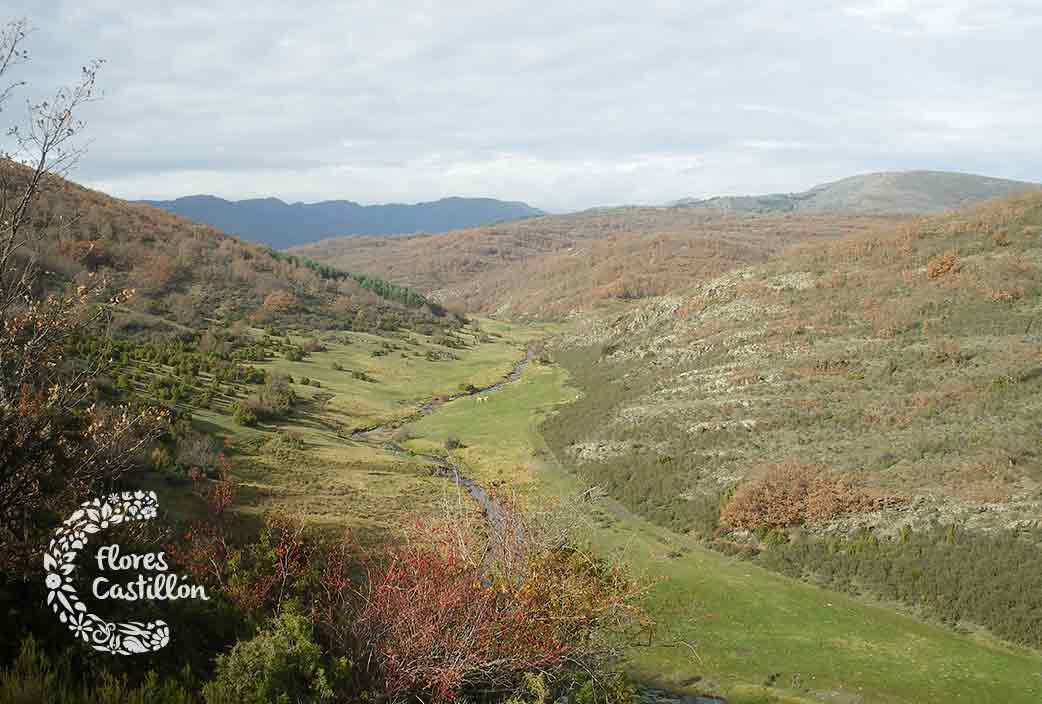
(192, 275)
(908, 361)
(553, 265)
(863, 413)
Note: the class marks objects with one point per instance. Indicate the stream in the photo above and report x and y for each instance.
(492, 510)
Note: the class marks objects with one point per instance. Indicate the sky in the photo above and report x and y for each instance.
(564, 105)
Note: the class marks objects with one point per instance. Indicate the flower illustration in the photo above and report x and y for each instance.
(81, 627)
(160, 636)
(53, 581)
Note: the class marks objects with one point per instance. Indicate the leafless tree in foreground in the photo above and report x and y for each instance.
(56, 445)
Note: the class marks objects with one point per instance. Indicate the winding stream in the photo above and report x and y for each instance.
(439, 401)
(493, 511)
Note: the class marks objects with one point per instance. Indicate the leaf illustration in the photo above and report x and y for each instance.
(134, 645)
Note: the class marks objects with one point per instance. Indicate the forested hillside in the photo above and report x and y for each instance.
(195, 276)
(279, 224)
(550, 266)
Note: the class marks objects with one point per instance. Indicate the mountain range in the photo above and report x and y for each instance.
(885, 193)
(280, 224)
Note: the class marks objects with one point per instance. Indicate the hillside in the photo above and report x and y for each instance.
(911, 331)
(886, 382)
(894, 193)
(279, 224)
(189, 276)
(552, 265)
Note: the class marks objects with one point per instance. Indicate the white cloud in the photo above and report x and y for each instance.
(565, 105)
(940, 18)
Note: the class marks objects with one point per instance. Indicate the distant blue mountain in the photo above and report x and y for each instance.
(279, 224)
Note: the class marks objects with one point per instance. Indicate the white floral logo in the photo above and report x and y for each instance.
(122, 638)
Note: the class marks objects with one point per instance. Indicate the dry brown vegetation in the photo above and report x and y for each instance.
(183, 272)
(793, 494)
(549, 266)
(909, 357)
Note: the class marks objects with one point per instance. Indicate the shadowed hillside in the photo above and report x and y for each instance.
(193, 275)
(279, 224)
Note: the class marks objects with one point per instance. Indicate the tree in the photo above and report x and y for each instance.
(56, 443)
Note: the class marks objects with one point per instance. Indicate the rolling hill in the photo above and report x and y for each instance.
(894, 193)
(862, 413)
(279, 224)
(552, 265)
(189, 276)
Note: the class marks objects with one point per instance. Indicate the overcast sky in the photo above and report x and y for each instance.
(564, 104)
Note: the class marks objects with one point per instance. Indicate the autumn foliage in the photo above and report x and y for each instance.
(447, 613)
(792, 494)
(437, 619)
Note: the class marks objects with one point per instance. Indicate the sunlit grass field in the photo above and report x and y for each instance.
(308, 466)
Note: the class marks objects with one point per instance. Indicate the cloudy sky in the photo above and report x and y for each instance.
(564, 104)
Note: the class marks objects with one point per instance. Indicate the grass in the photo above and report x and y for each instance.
(404, 377)
(339, 483)
(500, 434)
(728, 626)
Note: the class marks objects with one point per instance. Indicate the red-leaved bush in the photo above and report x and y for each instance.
(449, 612)
(443, 616)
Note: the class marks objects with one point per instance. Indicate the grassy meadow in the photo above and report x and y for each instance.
(748, 383)
(307, 465)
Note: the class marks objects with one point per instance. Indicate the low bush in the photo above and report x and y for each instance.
(793, 494)
(282, 663)
(957, 576)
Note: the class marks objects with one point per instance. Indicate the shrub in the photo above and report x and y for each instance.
(243, 415)
(285, 444)
(33, 678)
(439, 622)
(282, 663)
(454, 443)
(161, 458)
(793, 494)
(943, 264)
(954, 575)
(198, 450)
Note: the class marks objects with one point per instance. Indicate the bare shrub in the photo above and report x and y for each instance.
(942, 265)
(792, 494)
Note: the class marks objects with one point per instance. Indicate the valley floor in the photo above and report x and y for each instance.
(726, 626)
